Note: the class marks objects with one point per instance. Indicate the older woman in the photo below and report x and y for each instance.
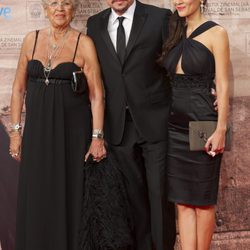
(58, 126)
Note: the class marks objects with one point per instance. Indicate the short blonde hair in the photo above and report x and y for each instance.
(74, 2)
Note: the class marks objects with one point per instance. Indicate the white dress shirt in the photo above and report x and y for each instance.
(127, 23)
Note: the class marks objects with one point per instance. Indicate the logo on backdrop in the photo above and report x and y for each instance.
(35, 11)
(5, 10)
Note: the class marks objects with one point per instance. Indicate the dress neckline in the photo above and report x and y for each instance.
(199, 29)
(58, 65)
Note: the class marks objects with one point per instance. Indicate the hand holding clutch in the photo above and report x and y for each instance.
(200, 131)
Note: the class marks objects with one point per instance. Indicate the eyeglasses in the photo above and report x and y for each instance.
(63, 4)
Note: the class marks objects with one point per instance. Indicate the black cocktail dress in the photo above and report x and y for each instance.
(193, 176)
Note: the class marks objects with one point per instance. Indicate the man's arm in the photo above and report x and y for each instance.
(89, 27)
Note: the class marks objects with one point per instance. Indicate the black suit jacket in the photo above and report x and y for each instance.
(138, 83)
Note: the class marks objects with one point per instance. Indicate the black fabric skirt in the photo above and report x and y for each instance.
(193, 176)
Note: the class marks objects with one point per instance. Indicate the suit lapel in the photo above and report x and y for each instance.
(105, 34)
(138, 22)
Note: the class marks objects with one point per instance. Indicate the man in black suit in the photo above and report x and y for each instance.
(128, 38)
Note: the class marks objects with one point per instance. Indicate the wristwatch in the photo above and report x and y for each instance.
(98, 134)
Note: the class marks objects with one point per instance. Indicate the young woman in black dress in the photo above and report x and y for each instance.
(196, 56)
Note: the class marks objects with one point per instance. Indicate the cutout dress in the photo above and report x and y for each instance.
(193, 177)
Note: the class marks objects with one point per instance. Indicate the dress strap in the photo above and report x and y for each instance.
(202, 28)
(34, 49)
(78, 38)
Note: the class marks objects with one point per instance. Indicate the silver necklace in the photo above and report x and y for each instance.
(53, 51)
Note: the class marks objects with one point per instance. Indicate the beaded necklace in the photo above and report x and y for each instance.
(54, 50)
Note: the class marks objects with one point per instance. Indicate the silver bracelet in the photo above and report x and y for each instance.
(97, 134)
(16, 127)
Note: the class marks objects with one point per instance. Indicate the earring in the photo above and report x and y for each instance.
(202, 6)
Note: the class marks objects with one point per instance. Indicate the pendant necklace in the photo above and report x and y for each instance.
(53, 51)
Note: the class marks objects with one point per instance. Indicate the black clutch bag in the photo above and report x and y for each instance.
(79, 82)
(106, 221)
(200, 131)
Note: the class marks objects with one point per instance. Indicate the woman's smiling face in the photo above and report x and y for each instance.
(187, 8)
(59, 13)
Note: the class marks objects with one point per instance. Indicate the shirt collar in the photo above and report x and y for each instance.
(129, 14)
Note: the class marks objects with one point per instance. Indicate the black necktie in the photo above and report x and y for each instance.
(121, 40)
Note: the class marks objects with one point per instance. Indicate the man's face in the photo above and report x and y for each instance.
(120, 6)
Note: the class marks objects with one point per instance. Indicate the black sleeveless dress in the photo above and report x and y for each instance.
(193, 177)
(56, 137)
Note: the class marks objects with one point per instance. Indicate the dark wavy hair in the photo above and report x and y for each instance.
(176, 32)
(177, 28)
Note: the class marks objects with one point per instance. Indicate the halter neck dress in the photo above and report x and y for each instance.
(56, 137)
(193, 176)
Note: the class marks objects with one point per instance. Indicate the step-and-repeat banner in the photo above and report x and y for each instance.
(17, 17)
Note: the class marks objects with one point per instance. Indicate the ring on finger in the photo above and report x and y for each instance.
(212, 153)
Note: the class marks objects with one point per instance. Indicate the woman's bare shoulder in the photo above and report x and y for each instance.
(85, 39)
(218, 32)
(31, 36)
(86, 44)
